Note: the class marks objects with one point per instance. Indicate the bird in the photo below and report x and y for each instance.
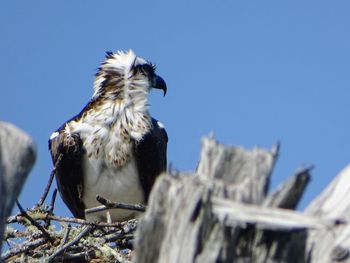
(114, 147)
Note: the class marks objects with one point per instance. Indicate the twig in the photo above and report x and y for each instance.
(85, 254)
(128, 228)
(105, 249)
(82, 221)
(114, 236)
(66, 235)
(34, 223)
(110, 204)
(51, 207)
(42, 216)
(49, 183)
(63, 242)
(15, 233)
(53, 200)
(84, 232)
(28, 246)
(107, 204)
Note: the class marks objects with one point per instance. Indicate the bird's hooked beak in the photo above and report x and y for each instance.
(159, 83)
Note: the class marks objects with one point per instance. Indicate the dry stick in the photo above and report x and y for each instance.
(63, 242)
(14, 233)
(84, 254)
(107, 204)
(51, 208)
(49, 183)
(28, 246)
(114, 236)
(19, 218)
(34, 223)
(82, 221)
(47, 189)
(66, 235)
(110, 204)
(127, 229)
(84, 232)
(53, 200)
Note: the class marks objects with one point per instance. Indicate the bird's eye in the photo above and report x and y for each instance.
(146, 69)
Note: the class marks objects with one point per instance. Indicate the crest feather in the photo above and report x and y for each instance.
(119, 63)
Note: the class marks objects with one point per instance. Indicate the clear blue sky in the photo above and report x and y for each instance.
(253, 72)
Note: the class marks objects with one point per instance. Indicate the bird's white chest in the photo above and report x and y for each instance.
(108, 134)
(118, 185)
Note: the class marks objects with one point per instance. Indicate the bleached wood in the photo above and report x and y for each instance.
(17, 156)
(206, 217)
(332, 202)
(332, 245)
(171, 227)
(245, 173)
(234, 213)
(185, 222)
(289, 193)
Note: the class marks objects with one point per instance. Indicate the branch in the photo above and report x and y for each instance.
(53, 200)
(34, 223)
(43, 216)
(83, 255)
(107, 204)
(289, 193)
(127, 229)
(49, 183)
(84, 232)
(23, 248)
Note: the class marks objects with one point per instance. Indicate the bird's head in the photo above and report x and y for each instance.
(125, 73)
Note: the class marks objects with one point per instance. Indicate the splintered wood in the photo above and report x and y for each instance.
(223, 213)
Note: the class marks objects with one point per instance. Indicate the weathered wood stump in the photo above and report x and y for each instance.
(332, 205)
(223, 213)
(17, 156)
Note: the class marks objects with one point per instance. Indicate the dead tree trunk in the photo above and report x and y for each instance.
(223, 213)
(17, 156)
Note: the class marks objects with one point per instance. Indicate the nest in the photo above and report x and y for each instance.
(38, 235)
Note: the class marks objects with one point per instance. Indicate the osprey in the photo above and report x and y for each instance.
(113, 147)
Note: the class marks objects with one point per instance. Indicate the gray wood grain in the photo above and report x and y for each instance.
(332, 244)
(17, 156)
(245, 173)
(216, 214)
(289, 193)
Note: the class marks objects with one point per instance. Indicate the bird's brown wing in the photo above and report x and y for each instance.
(66, 152)
(151, 156)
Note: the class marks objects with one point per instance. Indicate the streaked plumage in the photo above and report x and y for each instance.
(113, 147)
